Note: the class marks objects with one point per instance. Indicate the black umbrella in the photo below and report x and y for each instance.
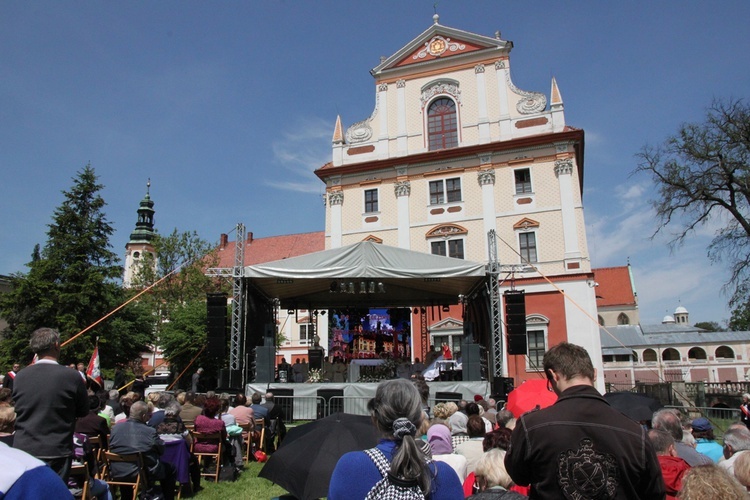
(638, 407)
(304, 462)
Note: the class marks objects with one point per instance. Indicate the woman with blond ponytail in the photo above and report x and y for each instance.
(398, 461)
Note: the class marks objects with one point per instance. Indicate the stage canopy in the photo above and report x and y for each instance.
(366, 273)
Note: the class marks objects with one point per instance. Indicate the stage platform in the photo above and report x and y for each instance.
(310, 401)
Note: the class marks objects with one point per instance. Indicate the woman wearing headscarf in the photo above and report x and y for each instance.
(396, 411)
(439, 437)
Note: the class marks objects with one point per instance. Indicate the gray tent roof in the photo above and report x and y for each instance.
(409, 278)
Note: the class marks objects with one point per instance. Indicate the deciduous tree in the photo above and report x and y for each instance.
(702, 176)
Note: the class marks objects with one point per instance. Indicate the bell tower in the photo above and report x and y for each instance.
(141, 238)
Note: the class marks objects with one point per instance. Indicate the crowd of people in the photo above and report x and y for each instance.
(578, 448)
(50, 421)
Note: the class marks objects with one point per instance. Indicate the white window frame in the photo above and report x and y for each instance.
(364, 201)
(536, 247)
(444, 183)
(536, 327)
(306, 333)
(515, 182)
(447, 246)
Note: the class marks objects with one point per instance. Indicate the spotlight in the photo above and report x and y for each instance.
(416, 310)
(322, 313)
(381, 287)
(351, 287)
(342, 287)
(334, 287)
(290, 312)
(372, 287)
(362, 287)
(446, 309)
(315, 312)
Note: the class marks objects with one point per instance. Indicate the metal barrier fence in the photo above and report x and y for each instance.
(302, 408)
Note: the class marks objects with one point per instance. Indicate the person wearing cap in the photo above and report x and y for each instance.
(703, 432)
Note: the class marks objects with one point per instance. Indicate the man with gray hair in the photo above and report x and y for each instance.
(668, 420)
(48, 399)
(134, 436)
(736, 443)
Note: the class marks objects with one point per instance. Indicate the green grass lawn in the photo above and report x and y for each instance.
(248, 486)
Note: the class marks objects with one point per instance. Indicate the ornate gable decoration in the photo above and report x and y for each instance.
(440, 42)
(525, 223)
(440, 87)
(445, 231)
(373, 239)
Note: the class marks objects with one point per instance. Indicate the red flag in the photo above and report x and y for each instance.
(93, 371)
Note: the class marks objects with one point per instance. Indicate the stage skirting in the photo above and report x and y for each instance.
(310, 401)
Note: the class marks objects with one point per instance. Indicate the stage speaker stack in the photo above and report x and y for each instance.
(216, 324)
(515, 321)
(471, 360)
(501, 386)
(264, 364)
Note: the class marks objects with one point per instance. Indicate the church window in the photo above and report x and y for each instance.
(449, 248)
(527, 246)
(442, 124)
(623, 319)
(371, 200)
(523, 180)
(445, 190)
(536, 348)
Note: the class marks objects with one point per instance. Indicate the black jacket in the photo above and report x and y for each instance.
(581, 447)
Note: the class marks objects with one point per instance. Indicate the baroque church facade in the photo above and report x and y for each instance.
(454, 150)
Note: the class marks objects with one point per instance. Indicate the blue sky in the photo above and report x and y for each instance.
(229, 106)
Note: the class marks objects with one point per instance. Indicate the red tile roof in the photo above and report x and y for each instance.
(615, 287)
(260, 250)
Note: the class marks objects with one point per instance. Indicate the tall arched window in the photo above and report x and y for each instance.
(442, 124)
(623, 319)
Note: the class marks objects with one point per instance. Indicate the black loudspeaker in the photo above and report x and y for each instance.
(471, 361)
(515, 312)
(517, 344)
(501, 386)
(216, 347)
(216, 314)
(515, 321)
(315, 358)
(264, 364)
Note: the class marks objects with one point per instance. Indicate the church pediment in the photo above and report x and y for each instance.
(447, 324)
(525, 223)
(440, 42)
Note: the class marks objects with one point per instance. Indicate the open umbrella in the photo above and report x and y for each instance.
(638, 407)
(529, 395)
(304, 462)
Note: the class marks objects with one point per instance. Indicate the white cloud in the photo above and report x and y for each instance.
(300, 152)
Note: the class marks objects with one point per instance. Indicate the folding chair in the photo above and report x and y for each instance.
(98, 451)
(81, 471)
(140, 481)
(214, 439)
(262, 423)
(249, 431)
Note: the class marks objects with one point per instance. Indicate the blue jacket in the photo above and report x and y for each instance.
(355, 475)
